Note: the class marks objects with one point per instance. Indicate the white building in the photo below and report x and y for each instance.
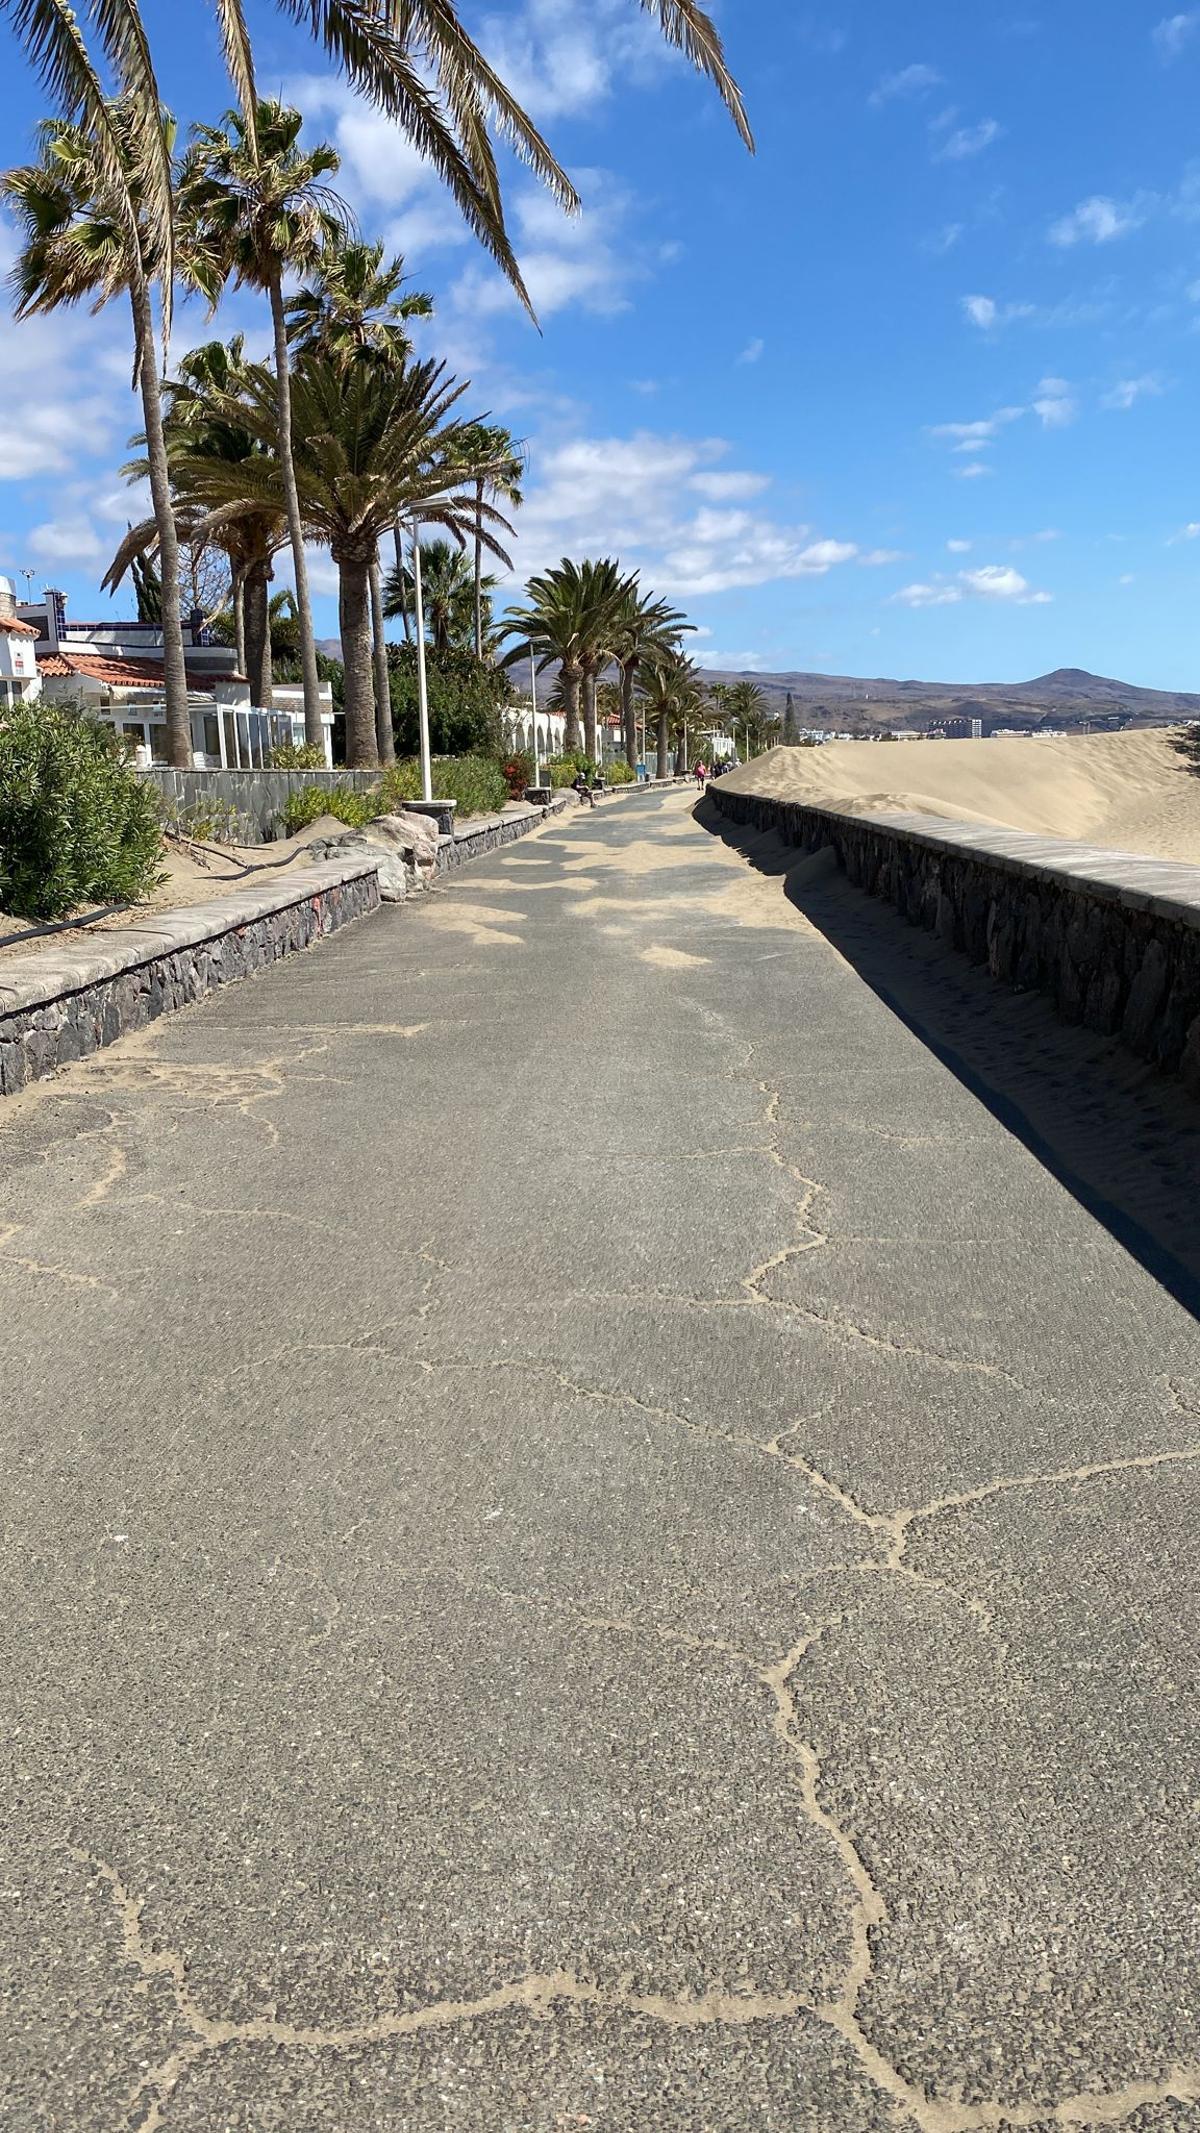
(115, 670)
(18, 656)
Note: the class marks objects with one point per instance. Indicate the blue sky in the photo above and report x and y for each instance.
(911, 392)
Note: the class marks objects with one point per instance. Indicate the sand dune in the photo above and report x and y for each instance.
(1130, 792)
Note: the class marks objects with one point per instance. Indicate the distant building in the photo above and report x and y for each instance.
(115, 670)
(18, 656)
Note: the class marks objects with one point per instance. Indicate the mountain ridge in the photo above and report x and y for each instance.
(1067, 696)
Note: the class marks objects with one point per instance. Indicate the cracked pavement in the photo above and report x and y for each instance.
(593, 1541)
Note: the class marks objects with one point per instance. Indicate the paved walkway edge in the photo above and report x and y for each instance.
(1112, 938)
(63, 1005)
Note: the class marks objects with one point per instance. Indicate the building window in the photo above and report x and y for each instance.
(158, 744)
(212, 738)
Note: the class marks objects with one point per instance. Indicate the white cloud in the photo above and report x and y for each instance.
(583, 260)
(968, 141)
(1173, 33)
(1127, 578)
(752, 351)
(939, 242)
(995, 581)
(729, 488)
(1098, 220)
(728, 662)
(916, 80)
(960, 547)
(1190, 532)
(970, 436)
(653, 500)
(936, 595)
(1055, 404)
(876, 558)
(999, 581)
(974, 472)
(987, 314)
(68, 540)
(1128, 391)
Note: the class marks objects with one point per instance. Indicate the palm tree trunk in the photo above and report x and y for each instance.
(175, 685)
(663, 767)
(479, 570)
(354, 616)
(239, 619)
(629, 714)
(589, 716)
(398, 543)
(256, 603)
(570, 677)
(384, 735)
(314, 732)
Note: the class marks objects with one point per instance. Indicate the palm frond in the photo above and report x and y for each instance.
(694, 33)
(239, 60)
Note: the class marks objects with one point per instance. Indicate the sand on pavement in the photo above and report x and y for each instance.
(1132, 792)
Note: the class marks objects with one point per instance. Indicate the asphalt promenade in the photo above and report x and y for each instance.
(602, 1479)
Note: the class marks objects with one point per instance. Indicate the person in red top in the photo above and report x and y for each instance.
(701, 774)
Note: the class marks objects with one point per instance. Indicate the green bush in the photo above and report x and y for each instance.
(564, 769)
(477, 782)
(297, 755)
(77, 824)
(466, 698)
(618, 772)
(309, 801)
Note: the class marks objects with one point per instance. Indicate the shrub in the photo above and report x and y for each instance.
(204, 821)
(518, 772)
(77, 824)
(297, 755)
(618, 772)
(477, 782)
(466, 697)
(309, 801)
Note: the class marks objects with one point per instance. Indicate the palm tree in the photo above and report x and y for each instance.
(447, 592)
(203, 424)
(371, 444)
(746, 706)
(549, 627)
(354, 307)
(604, 593)
(353, 313)
(85, 235)
(254, 204)
(645, 629)
(494, 449)
(671, 694)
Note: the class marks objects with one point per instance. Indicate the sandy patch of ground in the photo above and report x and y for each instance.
(672, 959)
(1130, 792)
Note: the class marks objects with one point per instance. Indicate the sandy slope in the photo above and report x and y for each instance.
(1130, 791)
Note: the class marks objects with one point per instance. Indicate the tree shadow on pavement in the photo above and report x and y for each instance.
(1121, 1137)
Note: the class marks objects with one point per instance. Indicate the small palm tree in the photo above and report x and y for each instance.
(85, 235)
(254, 204)
(447, 594)
(671, 696)
(605, 592)
(551, 626)
(354, 307)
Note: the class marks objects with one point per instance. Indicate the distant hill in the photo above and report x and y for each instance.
(1068, 697)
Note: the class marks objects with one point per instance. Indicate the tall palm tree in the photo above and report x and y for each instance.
(746, 705)
(371, 444)
(645, 629)
(605, 594)
(353, 313)
(254, 204)
(202, 423)
(671, 694)
(85, 235)
(551, 627)
(493, 448)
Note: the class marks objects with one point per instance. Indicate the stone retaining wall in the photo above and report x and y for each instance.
(61, 1005)
(1111, 938)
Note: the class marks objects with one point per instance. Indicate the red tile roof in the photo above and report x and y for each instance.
(119, 672)
(15, 627)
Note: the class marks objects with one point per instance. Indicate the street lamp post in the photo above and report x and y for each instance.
(537, 765)
(422, 682)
